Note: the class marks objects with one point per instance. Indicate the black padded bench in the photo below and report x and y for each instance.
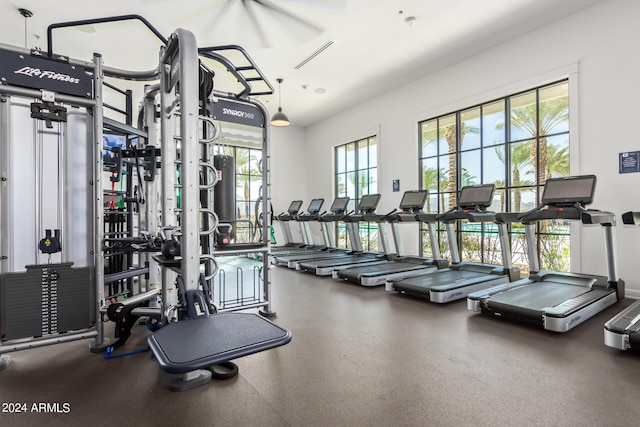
(189, 347)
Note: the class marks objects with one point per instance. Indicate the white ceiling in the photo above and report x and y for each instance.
(375, 50)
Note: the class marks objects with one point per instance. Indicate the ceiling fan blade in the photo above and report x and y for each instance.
(279, 10)
(328, 6)
(256, 23)
(184, 19)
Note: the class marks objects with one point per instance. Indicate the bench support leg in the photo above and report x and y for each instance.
(190, 380)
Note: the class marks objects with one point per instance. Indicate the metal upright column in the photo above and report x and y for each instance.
(190, 157)
(610, 246)
(98, 211)
(396, 239)
(151, 217)
(532, 247)
(267, 310)
(453, 243)
(4, 208)
(505, 245)
(167, 176)
(433, 240)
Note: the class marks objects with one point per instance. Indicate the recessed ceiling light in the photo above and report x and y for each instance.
(410, 20)
(320, 90)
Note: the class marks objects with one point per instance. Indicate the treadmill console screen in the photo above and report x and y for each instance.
(315, 206)
(339, 204)
(569, 190)
(472, 196)
(294, 207)
(369, 203)
(413, 200)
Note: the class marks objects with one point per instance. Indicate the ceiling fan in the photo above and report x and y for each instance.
(256, 23)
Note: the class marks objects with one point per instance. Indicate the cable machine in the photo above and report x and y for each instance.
(51, 264)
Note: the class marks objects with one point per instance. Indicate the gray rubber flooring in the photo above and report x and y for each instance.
(359, 357)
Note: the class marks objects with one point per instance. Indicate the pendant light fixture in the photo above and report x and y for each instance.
(280, 118)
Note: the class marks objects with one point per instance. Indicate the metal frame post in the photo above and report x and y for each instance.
(168, 179)
(453, 243)
(190, 158)
(532, 248)
(98, 253)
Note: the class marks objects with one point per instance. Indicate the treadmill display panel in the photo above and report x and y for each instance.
(315, 206)
(473, 196)
(294, 207)
(412, 200)
(568, 191)
(369, 203)
(339, 204)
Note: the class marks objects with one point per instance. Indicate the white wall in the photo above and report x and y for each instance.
(289, 178)
(600, 41)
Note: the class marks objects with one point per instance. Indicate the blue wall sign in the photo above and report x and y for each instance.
(629, 162)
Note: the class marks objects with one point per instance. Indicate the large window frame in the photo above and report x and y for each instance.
(356, 175)
(470, 140)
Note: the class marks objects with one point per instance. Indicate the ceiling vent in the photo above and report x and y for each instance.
(314, 54)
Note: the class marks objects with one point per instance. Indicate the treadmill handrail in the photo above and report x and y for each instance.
(378, 217)
(508, 217)
(476, 215)
(429, 218)
(402, 217)
(576, 212)
(546, 212)
(631, 218)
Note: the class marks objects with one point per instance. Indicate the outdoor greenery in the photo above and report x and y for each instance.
(355, 176)
(515, 143)
(248, 179)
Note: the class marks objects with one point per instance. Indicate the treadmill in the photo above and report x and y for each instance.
(285, 219)
(357, 256)
(557, 301)
(462, 278)
(313, 213)
(623, 330)
(329, 251)
(398, 264)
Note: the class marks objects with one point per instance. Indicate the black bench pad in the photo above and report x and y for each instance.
(198, 343)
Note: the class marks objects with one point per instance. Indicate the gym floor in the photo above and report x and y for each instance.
(359, 357)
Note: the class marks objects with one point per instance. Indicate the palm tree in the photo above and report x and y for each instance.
(557, 161)
(450, 135)
(444, 186)
(467, 178)
(430, 182)
(500, 188)
(245, 171)
(551, 113)
(520, 156)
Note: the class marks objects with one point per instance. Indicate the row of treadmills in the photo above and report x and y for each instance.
(555, 300)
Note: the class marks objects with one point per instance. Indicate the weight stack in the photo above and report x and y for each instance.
(224, 194)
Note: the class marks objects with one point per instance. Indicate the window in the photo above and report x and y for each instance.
(356, 174)
(516, 143)
(248, 183)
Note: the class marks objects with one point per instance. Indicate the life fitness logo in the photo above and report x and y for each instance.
(37, 73)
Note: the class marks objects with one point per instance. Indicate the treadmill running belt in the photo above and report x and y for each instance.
(339, 261)
(439, 278)
(538, 295)
(379, 270)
